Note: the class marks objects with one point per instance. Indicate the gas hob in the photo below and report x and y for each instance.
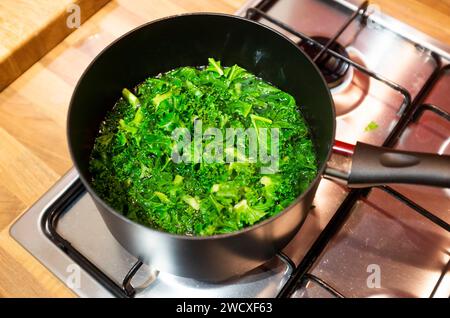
(390, 85)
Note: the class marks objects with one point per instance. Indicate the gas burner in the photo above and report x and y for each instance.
(335, 70)
(354, 89)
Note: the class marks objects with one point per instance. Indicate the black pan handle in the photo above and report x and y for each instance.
(373, 166)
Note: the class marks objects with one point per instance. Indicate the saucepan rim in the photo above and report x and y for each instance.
(312, 184)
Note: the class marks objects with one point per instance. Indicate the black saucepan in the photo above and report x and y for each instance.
(190, 39)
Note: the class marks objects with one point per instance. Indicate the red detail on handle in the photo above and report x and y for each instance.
(343, 148)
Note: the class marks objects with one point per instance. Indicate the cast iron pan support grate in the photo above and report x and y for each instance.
(406, 112)
(49, 224)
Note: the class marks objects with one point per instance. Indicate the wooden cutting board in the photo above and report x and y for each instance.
(31, 28)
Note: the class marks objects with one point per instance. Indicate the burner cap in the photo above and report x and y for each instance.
(333, 69)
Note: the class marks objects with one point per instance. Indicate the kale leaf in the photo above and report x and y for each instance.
(131, 161)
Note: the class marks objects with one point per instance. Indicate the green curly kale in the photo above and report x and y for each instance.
(132, 162)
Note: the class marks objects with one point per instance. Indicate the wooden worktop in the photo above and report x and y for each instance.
(33, 149)
(30, 28)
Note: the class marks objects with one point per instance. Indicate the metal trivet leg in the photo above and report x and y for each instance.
(127, 288)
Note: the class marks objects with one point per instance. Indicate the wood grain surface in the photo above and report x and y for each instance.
(30, 28)
(432, 17)
(33, 149)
